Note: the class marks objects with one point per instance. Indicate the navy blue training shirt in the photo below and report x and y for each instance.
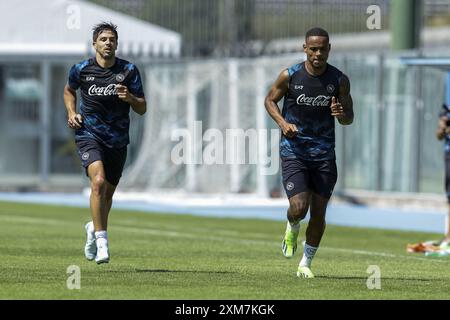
(445, 111)
(307, 105)
(105, 116)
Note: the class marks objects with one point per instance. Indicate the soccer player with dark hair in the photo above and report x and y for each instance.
(109, 87)
(443, 131)
(315, 94)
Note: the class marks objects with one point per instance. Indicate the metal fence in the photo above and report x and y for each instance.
(243, 27)
(390, 147)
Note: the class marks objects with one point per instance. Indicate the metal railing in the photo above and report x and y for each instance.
(241, 27)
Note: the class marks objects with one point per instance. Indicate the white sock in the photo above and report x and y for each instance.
(308, 255)
(295, 227)
(102, 237)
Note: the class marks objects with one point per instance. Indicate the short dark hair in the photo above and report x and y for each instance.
(317, 32)
(99, 28)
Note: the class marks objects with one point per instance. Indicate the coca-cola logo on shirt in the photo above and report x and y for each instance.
(109, 90)
(319, 101)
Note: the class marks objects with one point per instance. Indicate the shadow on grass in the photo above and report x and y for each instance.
(181, 271)
(382, 278)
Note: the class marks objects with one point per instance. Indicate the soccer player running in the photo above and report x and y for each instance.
(109, 86)
(315, 93)
(443, 131)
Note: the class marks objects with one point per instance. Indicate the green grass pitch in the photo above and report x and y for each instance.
(167, 256)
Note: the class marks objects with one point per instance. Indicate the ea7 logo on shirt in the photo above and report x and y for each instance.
(298, 87)
(90, 78)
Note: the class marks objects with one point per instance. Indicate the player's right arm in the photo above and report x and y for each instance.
(276, 93)
(74, 119)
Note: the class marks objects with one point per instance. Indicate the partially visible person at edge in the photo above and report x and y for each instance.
(443, 131)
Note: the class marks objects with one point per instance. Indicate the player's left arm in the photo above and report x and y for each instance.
(133, 93)
(342, 108)
(138, 104)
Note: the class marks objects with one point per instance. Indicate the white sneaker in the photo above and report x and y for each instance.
(102, 253)
(90, 249)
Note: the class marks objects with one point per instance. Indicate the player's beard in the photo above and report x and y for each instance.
(108, 55)
(317, 64)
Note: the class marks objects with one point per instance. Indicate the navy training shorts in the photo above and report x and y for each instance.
(90, 150)
(302, 176)
(447, 175)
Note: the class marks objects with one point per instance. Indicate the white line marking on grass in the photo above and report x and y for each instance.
(362, 252)
(31, 220)
(381, 254)
(155, 232)
(189, 235)
(163, 226)
(268, 242)
(184, 234)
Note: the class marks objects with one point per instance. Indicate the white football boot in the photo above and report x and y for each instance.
(90, 249)
(102, 252)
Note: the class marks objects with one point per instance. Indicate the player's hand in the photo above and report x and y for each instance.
(74, 121)
(123, 93)
(289, 130)
(443, 124)
(337, 110)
